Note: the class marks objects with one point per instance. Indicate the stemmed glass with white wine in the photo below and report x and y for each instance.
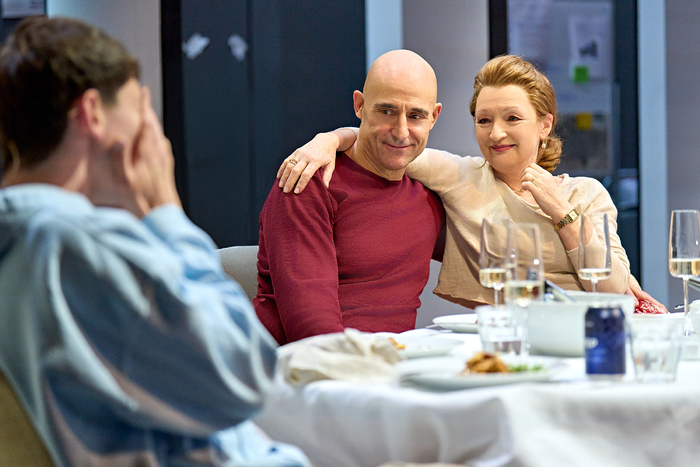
(524, 268)
(492, 259)
(524, 275)
(684, 253)
(594, 248)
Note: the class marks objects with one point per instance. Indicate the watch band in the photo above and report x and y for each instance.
(568, 219)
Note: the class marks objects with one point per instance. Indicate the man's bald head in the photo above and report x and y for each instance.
(398, 108)
(402, 69)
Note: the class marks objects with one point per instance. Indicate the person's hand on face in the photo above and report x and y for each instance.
(136, 175)
(112, 177)
(152, 160)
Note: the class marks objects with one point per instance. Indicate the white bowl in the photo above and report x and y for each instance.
(557, 328)
(695, 315)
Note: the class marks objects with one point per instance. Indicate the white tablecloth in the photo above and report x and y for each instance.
(575, 423)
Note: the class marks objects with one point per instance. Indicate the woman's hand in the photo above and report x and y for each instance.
(297, 169)
(545, 188)
(636, 291)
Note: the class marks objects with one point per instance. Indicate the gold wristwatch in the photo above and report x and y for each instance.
(568, 219)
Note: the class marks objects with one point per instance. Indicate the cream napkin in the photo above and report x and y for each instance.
(349, 356)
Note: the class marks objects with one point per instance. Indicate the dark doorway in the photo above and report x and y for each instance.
(232, 119)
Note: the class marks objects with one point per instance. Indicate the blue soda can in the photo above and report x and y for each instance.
(605, 341)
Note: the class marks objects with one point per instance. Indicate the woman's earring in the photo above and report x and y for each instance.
(544, 145)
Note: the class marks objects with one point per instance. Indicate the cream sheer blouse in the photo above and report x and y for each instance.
(470, 192)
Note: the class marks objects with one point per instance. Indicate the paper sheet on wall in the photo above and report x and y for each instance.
(528, 29)
(589, 37)
(22, 8)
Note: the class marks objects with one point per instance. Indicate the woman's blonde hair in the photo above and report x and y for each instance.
(510, 69)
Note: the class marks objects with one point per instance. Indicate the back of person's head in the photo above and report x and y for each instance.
(45, 65)
(512, 70)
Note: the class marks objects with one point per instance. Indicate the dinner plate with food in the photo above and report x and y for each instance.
(483, 369)
(458, 323)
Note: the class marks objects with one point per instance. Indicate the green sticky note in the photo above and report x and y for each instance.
(580, 74)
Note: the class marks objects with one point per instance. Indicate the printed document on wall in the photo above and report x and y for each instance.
(528, 29)
(590, 39)
(22, 8)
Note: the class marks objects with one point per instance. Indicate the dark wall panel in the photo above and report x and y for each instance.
(310, 57)
(236, 121)
(216, 120)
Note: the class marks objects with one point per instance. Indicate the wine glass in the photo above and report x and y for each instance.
(594, 248)
(492, 261)
(524, 268)
(684, 253)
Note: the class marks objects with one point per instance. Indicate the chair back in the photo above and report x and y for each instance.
(20, 444)
(241, 263)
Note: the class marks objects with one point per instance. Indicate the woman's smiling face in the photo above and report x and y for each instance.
(508, 129)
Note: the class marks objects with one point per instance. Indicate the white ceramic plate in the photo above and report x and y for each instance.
(450, 381)
(425, 346)
(458, 323)
(442, 373)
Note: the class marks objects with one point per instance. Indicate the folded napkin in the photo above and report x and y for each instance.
(349, 356)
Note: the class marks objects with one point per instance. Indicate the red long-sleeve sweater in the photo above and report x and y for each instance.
(354, 255)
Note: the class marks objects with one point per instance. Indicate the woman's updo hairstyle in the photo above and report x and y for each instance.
(510, 69)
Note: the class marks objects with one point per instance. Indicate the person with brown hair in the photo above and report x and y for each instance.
(514, 110)
(121, 336)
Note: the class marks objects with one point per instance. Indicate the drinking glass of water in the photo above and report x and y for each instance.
(656, 347)
(492, 258)
(594, 248)
(524, 268)
(501, 329)
(684, 253)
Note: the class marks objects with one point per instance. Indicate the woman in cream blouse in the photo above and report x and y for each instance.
(514, 110)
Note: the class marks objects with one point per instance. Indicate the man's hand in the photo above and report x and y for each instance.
(111, 181)
(152, 161)
(138, 176)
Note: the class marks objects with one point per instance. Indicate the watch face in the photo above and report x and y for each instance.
(570, 217)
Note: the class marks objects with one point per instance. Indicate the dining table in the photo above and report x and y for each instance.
(565, 419)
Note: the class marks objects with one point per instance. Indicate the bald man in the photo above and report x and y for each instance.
(356, 252)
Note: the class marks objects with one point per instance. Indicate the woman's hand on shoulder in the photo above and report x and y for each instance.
(296, 170)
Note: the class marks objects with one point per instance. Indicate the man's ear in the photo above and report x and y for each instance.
(358, 101)
(436, 114)
(89, 113)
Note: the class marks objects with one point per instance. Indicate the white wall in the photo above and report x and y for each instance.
(682, 76)
(652, 149)
(383, 27)
(135, 23)
(452, 35)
